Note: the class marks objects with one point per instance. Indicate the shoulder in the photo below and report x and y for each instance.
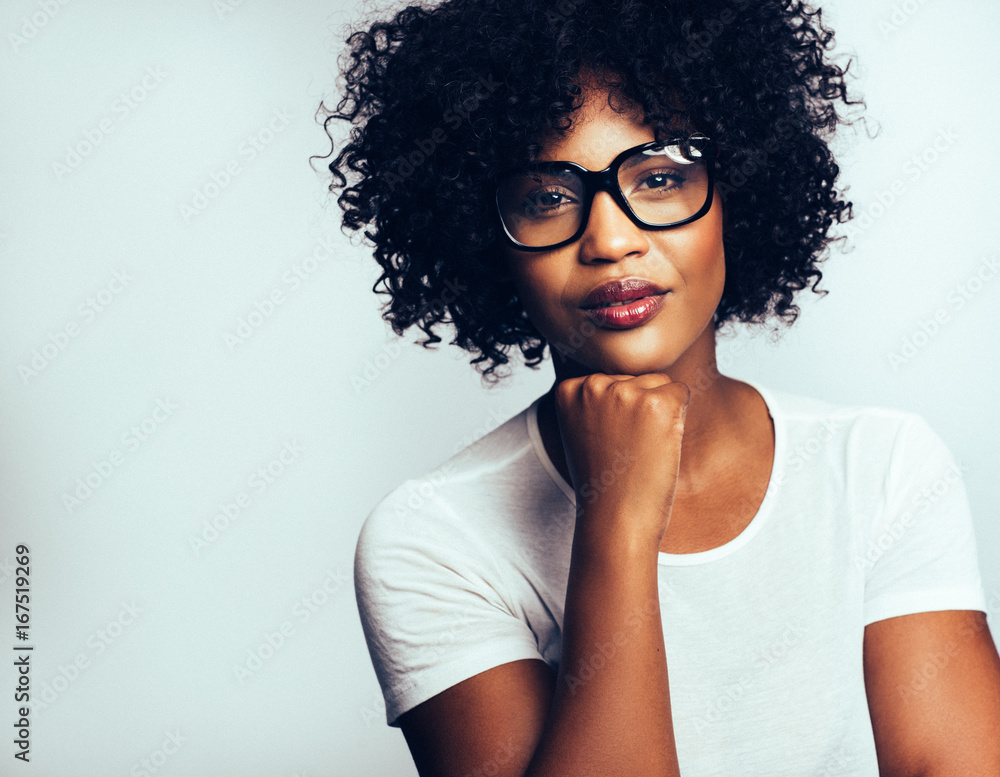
(862, 451)
(450, 509)
(801, 410)
(432, 573)
(856, 429)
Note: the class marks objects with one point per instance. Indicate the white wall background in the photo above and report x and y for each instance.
(138, 633)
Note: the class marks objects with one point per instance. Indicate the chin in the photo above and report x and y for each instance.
(619, 364)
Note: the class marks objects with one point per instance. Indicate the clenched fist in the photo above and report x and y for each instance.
(622, 438)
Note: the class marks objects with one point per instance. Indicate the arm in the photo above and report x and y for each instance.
(611, 708)
(932, 673)
(608, 709)
(933, 684)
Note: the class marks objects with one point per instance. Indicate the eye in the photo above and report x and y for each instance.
(546, 202)
(664, 179)
(663, 182)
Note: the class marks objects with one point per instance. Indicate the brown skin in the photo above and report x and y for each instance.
(614, 394)
(716, 502)
(727, 423)
(701, 463)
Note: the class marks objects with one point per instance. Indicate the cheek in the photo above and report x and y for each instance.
(538, 289)
(708, 258)
(540, 306)
(527, 286)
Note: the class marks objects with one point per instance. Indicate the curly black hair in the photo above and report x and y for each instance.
(446, 98)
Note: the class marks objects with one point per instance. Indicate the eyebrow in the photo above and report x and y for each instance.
(626, 165)
(632, 161)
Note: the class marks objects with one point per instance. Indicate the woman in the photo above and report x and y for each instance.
(654, 568)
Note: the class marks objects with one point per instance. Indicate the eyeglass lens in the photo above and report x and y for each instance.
(662, 185)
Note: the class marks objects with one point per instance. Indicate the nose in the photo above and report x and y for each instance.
(610, 234)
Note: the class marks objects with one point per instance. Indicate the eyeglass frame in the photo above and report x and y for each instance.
(607, 180)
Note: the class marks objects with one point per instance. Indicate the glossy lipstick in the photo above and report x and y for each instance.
(642, 300)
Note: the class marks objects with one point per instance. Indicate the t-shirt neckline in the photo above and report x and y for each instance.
(705, 556)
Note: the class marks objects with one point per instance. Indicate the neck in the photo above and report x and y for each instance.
(715, 409)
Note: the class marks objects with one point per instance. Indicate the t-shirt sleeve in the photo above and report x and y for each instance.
(921, 552)
(433, 604)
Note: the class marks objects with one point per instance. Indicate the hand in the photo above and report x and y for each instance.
(622, 438)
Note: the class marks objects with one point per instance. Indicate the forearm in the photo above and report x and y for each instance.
(610, 713)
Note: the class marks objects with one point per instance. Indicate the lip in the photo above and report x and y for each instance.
(635, 313)
(621, 290)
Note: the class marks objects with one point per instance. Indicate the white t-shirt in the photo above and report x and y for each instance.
(865, 518)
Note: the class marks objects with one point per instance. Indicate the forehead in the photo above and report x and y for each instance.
(602, 127)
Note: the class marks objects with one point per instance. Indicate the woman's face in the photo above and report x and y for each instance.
(687, 260)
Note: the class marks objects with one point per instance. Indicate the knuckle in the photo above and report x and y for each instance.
(670, 404)
(652, 401)
(591, 385)
(623, 394)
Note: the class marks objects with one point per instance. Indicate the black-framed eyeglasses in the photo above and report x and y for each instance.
(660, 184)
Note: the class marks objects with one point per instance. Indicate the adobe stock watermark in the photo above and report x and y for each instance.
(35, 23)
(91, 139)
(900, 15)
(96, 644)
(698, 47)
(491, 766)
(736, 176)
(805, 452)
(224, 8)
(373, 712)
(425, 147)
(374, 367)
(577, 339)
(86, 313)
(932, 324)
(993, 603)
(704, 378)
(445, 640)
(560, 11)
(839, 764)
(103, 469)
(732, 695)
(735, 517)
(592, 488)
(934, 662)
(6, 570)
(306, 606)
(494, 419)
(423, 489)
(376, 711)
(920, 504)
(588, 667)
(913, 170)
(418, 494)
(292, 279)
(154, 762)
(220, 180)
(235, 508)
